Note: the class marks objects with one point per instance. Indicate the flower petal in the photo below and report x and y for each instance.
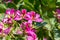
(18, 12)
(24, 11)
(39, 20)
(7, 30)
(10, 11)
(37, 16)
(30, 21)
(31, 33)
(29, 38)
(17, 18)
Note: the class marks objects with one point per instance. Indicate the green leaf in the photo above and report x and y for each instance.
(40, 24)
(1, 16)
(8, 38)
(2, 8)
(11, 5)
(28, 5)
(58, 0)
(57, 34)
(16, 1)
(0, 1)
(50, 23)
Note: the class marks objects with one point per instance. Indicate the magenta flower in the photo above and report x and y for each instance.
(8, 20)
(58, 11)
(26, 26)
(24, 11)
(20, 15)
(7, 30)
(32, 35)
(32, 16)
(10, 12)
(29, 38)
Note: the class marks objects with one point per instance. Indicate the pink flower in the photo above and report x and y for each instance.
(24, 11)
(32, 16)
(8, 20)
(32, 35)
(7, 30)
(10, 12)
(29, 38)
(20, 15)
(26, 26)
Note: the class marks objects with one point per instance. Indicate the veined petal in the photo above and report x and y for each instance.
(31, 33)
(30, 21)
(4, 20)
(10, 11)
(18, 12)
(27, 17)
(29, 38)
(39, 20)
(37, 16)
(17, 18)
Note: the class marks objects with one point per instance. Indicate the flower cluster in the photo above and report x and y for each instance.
(12, 17)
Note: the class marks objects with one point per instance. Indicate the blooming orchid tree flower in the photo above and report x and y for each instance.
(27, 27)
(12, 17)
(7, 20)
(32, 16)
(32, 35)
(10, 12)
(20, 14)
(16, 14)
